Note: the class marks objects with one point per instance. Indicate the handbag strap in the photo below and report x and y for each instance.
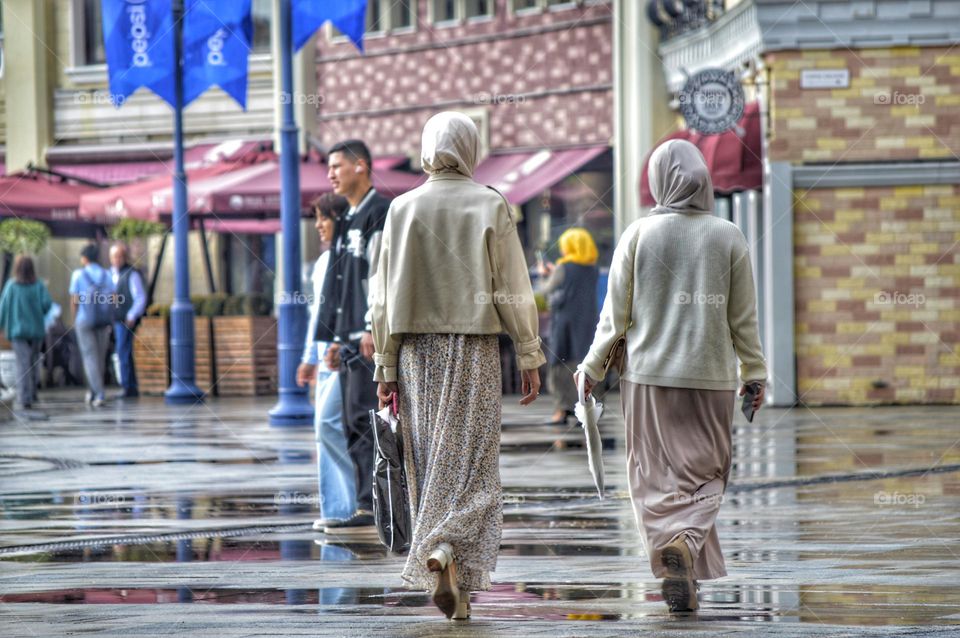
(633, 267)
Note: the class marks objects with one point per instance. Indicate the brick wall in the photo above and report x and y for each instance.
(542, 80)
(877, 281)
(902, 104)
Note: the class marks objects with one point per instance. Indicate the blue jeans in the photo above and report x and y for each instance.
(335, 471)
(124, 338)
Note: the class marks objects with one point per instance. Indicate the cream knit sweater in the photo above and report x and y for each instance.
(694, 305)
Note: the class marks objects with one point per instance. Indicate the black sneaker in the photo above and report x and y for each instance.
(360, 523)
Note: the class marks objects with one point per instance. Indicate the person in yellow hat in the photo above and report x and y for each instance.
(572, 298)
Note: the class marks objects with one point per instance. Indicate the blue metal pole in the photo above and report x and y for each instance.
(293, 405)
(183, 388)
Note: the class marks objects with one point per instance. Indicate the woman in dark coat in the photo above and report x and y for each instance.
(572, 297)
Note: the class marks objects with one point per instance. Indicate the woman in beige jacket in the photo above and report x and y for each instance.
(451, 276)
(693, 313)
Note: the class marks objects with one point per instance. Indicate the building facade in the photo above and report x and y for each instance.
(535, 75)
(856, 237)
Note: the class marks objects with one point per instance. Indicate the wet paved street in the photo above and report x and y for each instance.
(149, 520)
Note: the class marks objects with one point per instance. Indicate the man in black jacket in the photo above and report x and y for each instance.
(342, 320)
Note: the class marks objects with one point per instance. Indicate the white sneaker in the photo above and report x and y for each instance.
(88, 399)
(98, 402)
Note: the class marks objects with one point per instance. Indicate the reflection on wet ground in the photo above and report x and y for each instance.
(130, 520)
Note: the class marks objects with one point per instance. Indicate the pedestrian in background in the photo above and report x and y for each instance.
(572, 298)
(342, 317)
(693, 313)
(92, 301)
(335, 470)
(451, 277)
(23, 306)
(130, 304)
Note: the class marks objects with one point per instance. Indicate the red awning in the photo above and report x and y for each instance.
(243, 226)
(733, 160)
(523, 176)
(119, 172)
(42, 197)
(261, 193)
(136, 199)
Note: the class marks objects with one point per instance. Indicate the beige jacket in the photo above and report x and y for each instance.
(694, 307)
(450, 259)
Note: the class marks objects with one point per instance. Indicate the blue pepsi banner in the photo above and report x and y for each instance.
(349, 16)
(138, 40)
(217, 37)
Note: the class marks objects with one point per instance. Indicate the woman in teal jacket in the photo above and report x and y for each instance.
(23, 304)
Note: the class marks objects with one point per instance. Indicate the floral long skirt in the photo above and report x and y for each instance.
(450, 405)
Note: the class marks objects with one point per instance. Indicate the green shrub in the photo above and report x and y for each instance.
(128, 229)
(158, 310)
(23, 236)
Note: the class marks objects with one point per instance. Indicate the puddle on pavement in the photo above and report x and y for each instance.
(815, 604)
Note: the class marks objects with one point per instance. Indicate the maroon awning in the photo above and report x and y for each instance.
(734, 160)
(261, 193)
(523, 176)
(243, 226)
(42, 197)
(124, 172)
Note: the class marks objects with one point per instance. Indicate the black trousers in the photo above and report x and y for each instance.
(359, 394)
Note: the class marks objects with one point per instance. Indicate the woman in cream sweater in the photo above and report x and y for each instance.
(451, 275)
(693, 314)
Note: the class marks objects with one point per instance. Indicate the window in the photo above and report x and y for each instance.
(534, 6)
(386, 16)
(92, 49)
(445, 10)
(401, 14)
(479, 8)
(449, 11)
(261, 12)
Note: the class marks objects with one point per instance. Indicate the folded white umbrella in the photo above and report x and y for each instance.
(588, 412)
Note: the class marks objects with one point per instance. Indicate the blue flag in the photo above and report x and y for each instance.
(138, 41)
(217, 37)
(349, 16)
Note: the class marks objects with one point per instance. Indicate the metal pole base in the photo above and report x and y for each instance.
(180, 393)
(292, 410)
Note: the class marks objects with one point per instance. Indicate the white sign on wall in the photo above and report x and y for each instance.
(824, 78)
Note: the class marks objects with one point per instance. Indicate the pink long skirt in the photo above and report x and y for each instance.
(678, 463)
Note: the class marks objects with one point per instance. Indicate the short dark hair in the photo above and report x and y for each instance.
(23, 272)
(91, 252)
(331, 206)
(356, 150)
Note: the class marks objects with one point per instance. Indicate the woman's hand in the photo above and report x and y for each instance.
(385, 392)
(758, 400)
(588, 383)
(530, 385)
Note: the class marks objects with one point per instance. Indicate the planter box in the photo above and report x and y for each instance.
(245, 355)
(151, 355)
(204, 364)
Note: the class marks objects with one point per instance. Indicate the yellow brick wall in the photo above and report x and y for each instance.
(902, 104)
(877, 284)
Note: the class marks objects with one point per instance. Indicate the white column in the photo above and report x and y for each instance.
(641, 112)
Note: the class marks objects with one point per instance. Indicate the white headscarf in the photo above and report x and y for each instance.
(679, 179)
(451, 144)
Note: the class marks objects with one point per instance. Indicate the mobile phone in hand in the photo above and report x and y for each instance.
(748, 398)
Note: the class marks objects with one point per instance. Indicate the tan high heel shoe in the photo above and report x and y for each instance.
(446, 595)
(463, 608)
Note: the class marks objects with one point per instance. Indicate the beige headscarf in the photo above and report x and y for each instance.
(679, 179)
(451, 144)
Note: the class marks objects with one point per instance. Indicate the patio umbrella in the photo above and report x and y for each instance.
(588, 412)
